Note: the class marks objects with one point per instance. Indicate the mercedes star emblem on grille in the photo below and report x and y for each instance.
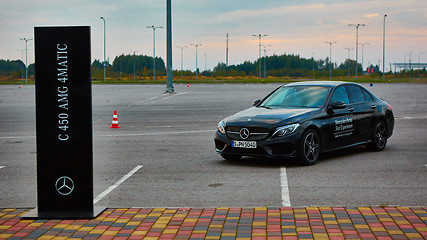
(244, 133)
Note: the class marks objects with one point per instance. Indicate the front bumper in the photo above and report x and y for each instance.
(282, 147)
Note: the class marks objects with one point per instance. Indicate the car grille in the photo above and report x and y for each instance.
(256, 133)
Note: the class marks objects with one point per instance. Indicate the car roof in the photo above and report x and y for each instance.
(317, 83)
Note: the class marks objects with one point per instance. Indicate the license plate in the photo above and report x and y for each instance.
(244, 144)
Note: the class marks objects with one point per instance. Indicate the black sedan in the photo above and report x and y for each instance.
(304, 119)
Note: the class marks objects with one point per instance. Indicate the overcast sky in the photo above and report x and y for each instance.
(293, 27)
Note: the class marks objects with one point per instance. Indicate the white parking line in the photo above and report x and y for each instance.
(171, 96)
(155, 133)
(1, 167)
(17, 137)
(286, 200)
(410, 118)
(111, 188)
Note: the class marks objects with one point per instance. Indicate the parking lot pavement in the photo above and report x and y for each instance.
(226, 223)
(171, 137)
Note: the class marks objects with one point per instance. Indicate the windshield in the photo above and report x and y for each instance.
(297, 96)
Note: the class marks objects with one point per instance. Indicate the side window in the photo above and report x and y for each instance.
(367, 96)
(356, 94)
(340, 94)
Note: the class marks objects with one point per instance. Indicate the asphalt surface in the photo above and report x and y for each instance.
(170, 138)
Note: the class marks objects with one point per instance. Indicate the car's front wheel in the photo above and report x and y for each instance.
(230, 157)
(379, 138)
(309, 147)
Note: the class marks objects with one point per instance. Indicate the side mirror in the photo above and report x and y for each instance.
(338, 105)
(256, 102)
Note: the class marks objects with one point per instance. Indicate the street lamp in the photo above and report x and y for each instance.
(265, 60)
(357, 40)
(349, 49)
(182, 58)
(313, 65)
(22, 59)
(26, 56)
(196, 45)
(154, 49)
(404, 62)
(363, 47)
(259, 36)
(419, 65)
(330, 58)
(134, 64)
(206, 66)
(385, 15)
(410, 64)
(226, 54)
(104, 47)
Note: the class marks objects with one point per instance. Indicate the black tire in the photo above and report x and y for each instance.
(231, 157)
(308, 148)
(379, 137)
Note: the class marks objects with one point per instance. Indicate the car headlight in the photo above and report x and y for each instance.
(221, 127)
(286, 130)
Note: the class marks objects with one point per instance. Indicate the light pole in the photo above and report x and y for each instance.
(419, 65)
(226, 54)
(349, 49)
(134, 64)
(357, 40)
(259, 36)
(154, 49)
(206, 66)
(182, 58)
(330, 58)
(410, 64)
(363, 49)
(265, 60)
(104, 47)
(313, 65)
(404, 62)
(26, 56)
(169, 84)
(385, 15)
(22, 59)
(196, 45)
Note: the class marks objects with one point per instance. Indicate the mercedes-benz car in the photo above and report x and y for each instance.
(305, 119)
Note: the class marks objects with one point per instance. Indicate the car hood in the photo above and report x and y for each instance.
(260, 116)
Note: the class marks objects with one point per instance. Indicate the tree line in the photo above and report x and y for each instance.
(133, 66)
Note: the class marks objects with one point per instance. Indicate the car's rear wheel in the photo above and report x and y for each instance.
(231, 157)
(309, 147)
(379, 137)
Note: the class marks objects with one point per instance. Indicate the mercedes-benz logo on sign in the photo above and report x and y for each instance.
(64, 185)
(244, 133)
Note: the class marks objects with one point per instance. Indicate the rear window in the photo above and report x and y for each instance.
(368, 97)
(356, 94)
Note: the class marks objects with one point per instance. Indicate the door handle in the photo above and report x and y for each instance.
(373, 106)
(351, 109)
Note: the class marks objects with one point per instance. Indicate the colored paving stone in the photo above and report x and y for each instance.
(226, 223)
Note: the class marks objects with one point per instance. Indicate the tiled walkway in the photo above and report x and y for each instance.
(226, 223)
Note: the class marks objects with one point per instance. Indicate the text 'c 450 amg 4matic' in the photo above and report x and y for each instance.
(304, 119)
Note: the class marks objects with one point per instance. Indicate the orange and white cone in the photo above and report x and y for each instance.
(115, 123)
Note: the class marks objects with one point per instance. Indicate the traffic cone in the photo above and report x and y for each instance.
(19, 85)
(115, 123)
(188, 85)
